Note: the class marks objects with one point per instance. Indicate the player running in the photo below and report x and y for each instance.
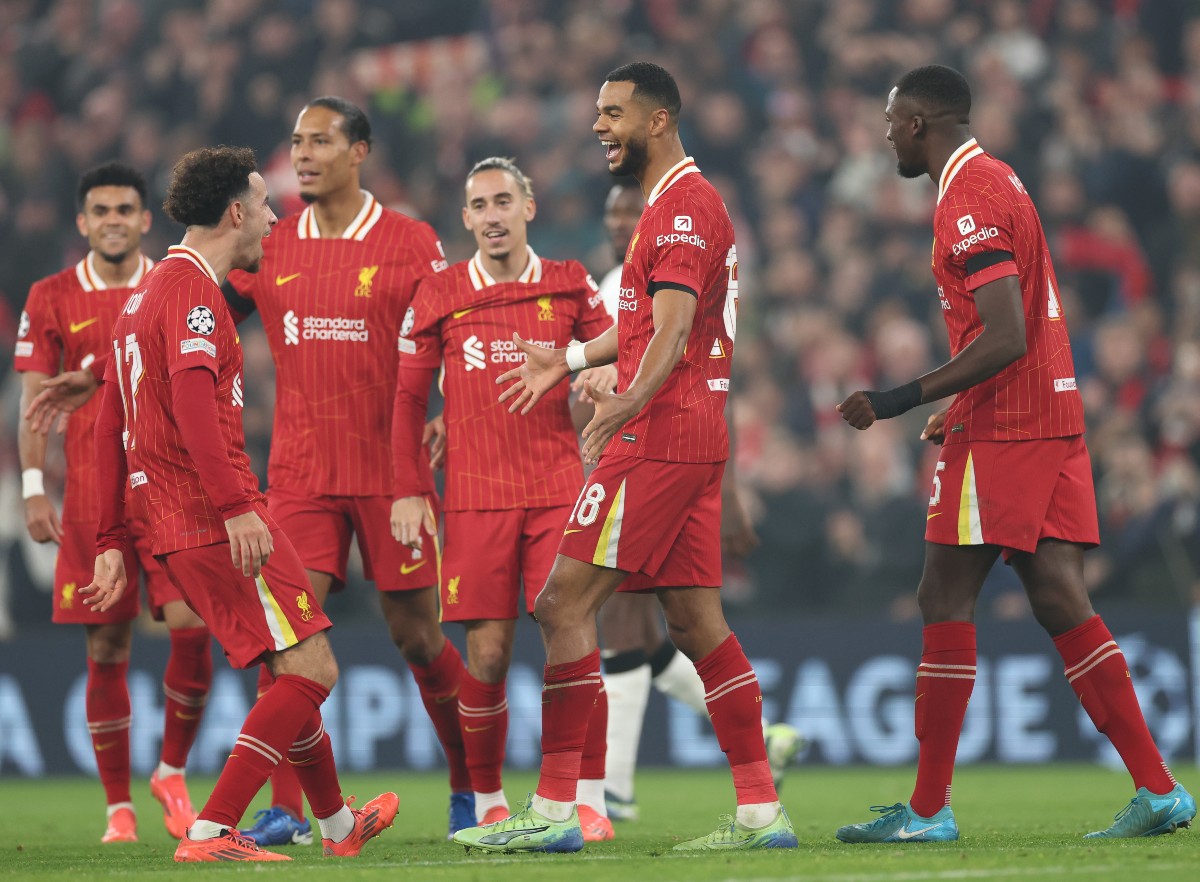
(648, 517)
(65, 329)
(636, 651)
(170, 424)
(510, 484)
(335, 283)
(1014, 477)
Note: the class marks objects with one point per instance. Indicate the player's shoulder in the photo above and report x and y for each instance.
(570, 276)
(985, 178)
(690, 200)
(58, 285)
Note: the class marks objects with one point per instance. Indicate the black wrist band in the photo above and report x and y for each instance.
(896, 401)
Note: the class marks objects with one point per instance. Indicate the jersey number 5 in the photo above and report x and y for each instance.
(130, 359)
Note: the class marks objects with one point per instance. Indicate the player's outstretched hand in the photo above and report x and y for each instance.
(538, 374)
(935, 427)
(250, 543)
(602, 377)
(60, 397)
(42, 520)
(409, 514)
(857, 411)
(434, 438)
(108, 582)
(613, 410)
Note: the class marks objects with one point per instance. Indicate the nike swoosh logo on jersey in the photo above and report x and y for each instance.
(909, 834)
(283, 280)
(405, 569)
(459, 313)
(76, 327)
(934, 515)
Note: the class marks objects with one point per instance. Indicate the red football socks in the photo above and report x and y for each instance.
(568, 699)
(483, 714)
(439, 683)
(311, 756)
(185, 684)
(945, 678)
(734, 701)
(1097, 671)
(108, 715)
(285, 786)
(595, 742)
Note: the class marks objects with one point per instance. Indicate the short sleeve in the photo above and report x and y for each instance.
(39, 340)
(686, 245)
(428, 255)
(593, 319)
(420, 342)
(189, 327)
(979, 233)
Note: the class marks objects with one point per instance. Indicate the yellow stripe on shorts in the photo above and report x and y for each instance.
(970, 529)
(277, 622)
(610, 533)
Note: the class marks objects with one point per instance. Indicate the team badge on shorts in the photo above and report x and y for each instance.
(306, 612)
(201, 320)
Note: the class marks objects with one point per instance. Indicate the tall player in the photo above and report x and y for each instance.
(1014, 477)
(65, 328)
(649, 516)
(636, 651)
(510, 484)
(335, 283)
(170, 424)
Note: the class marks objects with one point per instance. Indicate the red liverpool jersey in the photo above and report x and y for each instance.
(683, 240)
(174, 321)
(66, 326)
(464, 319)
(986, 228)
(332, 310)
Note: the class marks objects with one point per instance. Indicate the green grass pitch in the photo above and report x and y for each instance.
(1017, 823)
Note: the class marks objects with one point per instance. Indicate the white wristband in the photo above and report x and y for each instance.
(576, 358)
(31, 483)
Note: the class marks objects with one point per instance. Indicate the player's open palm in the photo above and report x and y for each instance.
(108, 582)
(613, 410)
(538, 374)
(250, 543)
(42, 520)
(409, 515)
(857, 411)
(60, 397)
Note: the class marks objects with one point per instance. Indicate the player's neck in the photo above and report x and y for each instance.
(213, 247)
(945, 147)
(116, 275)
(508, 269)
(659, 164)
(336, 211)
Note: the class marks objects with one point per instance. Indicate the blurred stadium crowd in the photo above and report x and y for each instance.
(1095, 103)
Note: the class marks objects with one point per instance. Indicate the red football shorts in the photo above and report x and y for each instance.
(658, 521)
(489, 554)
(321, 528)
(76, 566)
(1013, 494)
(248, 616)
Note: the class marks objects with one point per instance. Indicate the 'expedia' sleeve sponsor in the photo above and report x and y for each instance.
(683, 248)
(978, 230)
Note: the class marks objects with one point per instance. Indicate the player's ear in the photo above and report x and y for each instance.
(146, 221)
(81, 224)
(358, 152)
(919, 126)
(660, 121)
(530, 209)
(466, 219)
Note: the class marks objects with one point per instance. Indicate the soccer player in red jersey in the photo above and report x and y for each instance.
(510, 484)
(1014, 476)
(649, 516)
(65, 328)
(334, 286)
(170, 424)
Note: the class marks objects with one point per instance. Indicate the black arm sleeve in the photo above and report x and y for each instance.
(977, 262)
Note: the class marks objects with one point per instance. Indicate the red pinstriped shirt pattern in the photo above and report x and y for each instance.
(66, 325)
(177, 320)
(494, 459)
(684, 238)
(984, 208)
(332, 310)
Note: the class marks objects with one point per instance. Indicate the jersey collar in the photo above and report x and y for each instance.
(356, 230)
(90, 279)
(480, 278)
(185, 253)
(685, 166)
(955, 163)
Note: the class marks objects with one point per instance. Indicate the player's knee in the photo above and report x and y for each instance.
(938, 605)
(108, 646)
(489, 663)
(418, 645)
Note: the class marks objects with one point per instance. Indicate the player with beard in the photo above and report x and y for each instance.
(1014, 476)
(648, 518)
(170, 429)
(64, 336)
